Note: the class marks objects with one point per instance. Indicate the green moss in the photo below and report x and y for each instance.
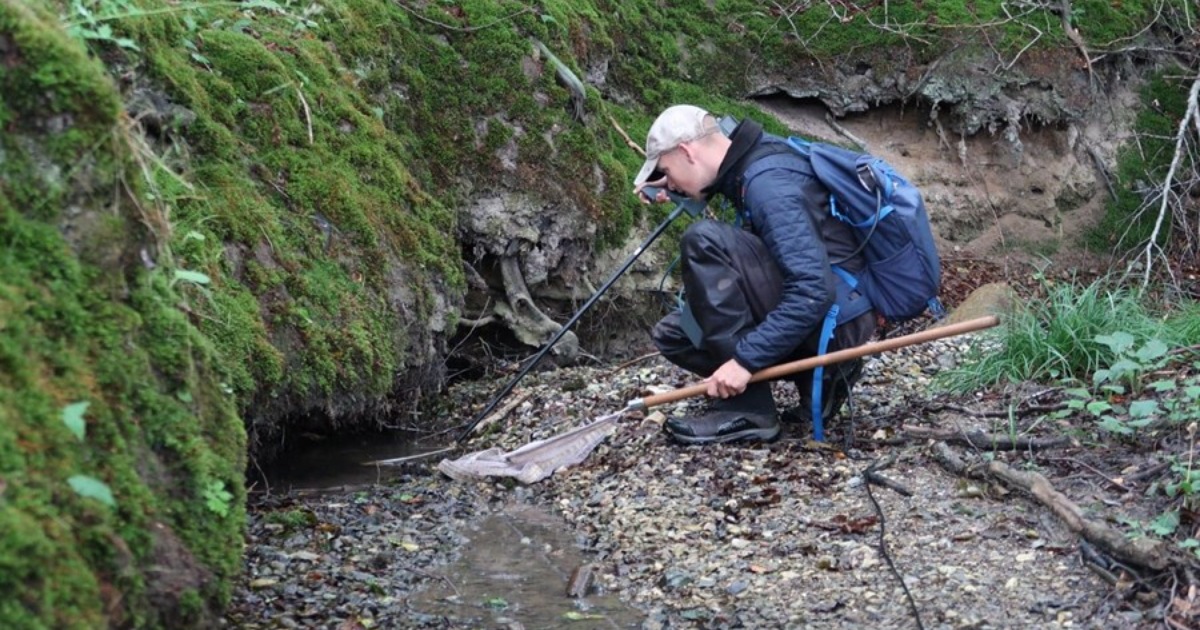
(67, 560)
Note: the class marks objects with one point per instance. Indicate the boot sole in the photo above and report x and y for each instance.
(760, 435)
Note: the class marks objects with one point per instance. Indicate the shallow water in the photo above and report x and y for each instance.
(334, 462)
(515, 571)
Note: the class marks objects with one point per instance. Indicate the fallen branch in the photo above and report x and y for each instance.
(988, 441)
(1141, 551)
(1019, 412)
(953, 463)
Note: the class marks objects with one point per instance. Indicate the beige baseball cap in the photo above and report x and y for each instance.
(676, 125)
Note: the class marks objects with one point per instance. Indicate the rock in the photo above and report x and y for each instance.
(995, 298)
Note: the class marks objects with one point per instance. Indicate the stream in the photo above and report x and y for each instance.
(507, 564)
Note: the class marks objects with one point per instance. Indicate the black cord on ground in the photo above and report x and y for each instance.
(912, 603)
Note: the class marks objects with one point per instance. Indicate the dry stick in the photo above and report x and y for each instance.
(862, 146)
(408, 458)
(307, 115)
(633, 145)
(1020, 413)
(630, 362)
(988, 441)
(1180, 139)
(1073, 35)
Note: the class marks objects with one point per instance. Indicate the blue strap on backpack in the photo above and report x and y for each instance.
(902, 276)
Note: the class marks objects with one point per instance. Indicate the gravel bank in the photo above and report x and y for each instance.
(763, 536)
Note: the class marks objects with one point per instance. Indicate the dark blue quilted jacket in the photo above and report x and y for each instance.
(788, 209)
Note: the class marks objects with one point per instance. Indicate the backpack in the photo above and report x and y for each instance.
(903, 273)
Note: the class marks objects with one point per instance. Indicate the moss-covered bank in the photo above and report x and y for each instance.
(219, 216)
(126, 510)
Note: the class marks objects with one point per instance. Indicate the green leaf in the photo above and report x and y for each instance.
(1163, 385)
(191, 276)
(1097, 407)
(1192, 391)
(496, 603)
(1118, 342)
(548, 19)
(1112, 425)
(72, 416)
(1166, 523)
(1100, 376)
(1143, 408)
(217, 498)
(1125, 366)
(125, 42)
(92, 488)
(1078, 392)
(1154, 349)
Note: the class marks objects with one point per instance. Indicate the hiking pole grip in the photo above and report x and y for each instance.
(787, 369)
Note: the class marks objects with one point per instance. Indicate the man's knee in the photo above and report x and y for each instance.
(702, 236)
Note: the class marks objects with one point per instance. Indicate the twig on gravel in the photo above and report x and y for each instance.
(871, 475)
(981, 440)
(629, 363)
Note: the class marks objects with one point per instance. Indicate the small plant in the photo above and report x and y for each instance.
(1132, 364)
(85, 485)
(216, 498)
(292, 519)
(89, 21)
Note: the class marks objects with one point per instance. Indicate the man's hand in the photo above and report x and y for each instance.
(660, 184)
(729, 380)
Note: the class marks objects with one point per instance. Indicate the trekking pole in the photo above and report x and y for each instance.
(682, 204)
